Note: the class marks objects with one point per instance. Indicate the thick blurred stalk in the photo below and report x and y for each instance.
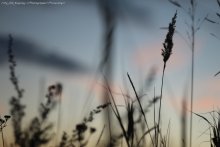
(42, 87)
(192, 16)
(106, 65)
(184, 123)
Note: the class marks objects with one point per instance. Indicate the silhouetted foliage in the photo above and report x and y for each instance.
(37, 133)
(3, 124)
(17, 108)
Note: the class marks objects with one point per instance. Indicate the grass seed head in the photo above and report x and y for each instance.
(168, 43)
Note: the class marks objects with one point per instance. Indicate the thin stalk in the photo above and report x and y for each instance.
(192, 66)
(155, 118)
(168, 135)
(100, 136)
(3, 142)
(191, 101)
(183, 121)
(58, 119)
(106, 65)
(161, 95)
(109, 123)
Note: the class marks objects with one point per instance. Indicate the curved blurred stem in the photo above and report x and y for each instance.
(106, 65)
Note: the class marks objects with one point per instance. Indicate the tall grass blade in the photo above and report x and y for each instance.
(142, 111)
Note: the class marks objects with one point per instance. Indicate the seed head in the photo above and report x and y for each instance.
(168, 43)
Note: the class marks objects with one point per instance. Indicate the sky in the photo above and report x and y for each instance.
(63, 43)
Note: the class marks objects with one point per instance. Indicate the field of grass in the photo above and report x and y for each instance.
(128, 122)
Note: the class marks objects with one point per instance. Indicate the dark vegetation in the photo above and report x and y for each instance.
(134, 131)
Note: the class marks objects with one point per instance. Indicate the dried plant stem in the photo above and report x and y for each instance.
(161, 95)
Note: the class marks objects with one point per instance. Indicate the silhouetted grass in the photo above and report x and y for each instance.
(131, 118)
(36, 134)
(214, 127)
(166, 52)
(141, 108)
(78, 138)
(17, 108)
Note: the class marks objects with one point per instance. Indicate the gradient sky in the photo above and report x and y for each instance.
(74, 31)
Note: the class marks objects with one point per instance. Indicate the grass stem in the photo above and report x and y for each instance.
(160, 105)
(192, 66)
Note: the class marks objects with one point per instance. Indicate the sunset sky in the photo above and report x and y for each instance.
(74, 30)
